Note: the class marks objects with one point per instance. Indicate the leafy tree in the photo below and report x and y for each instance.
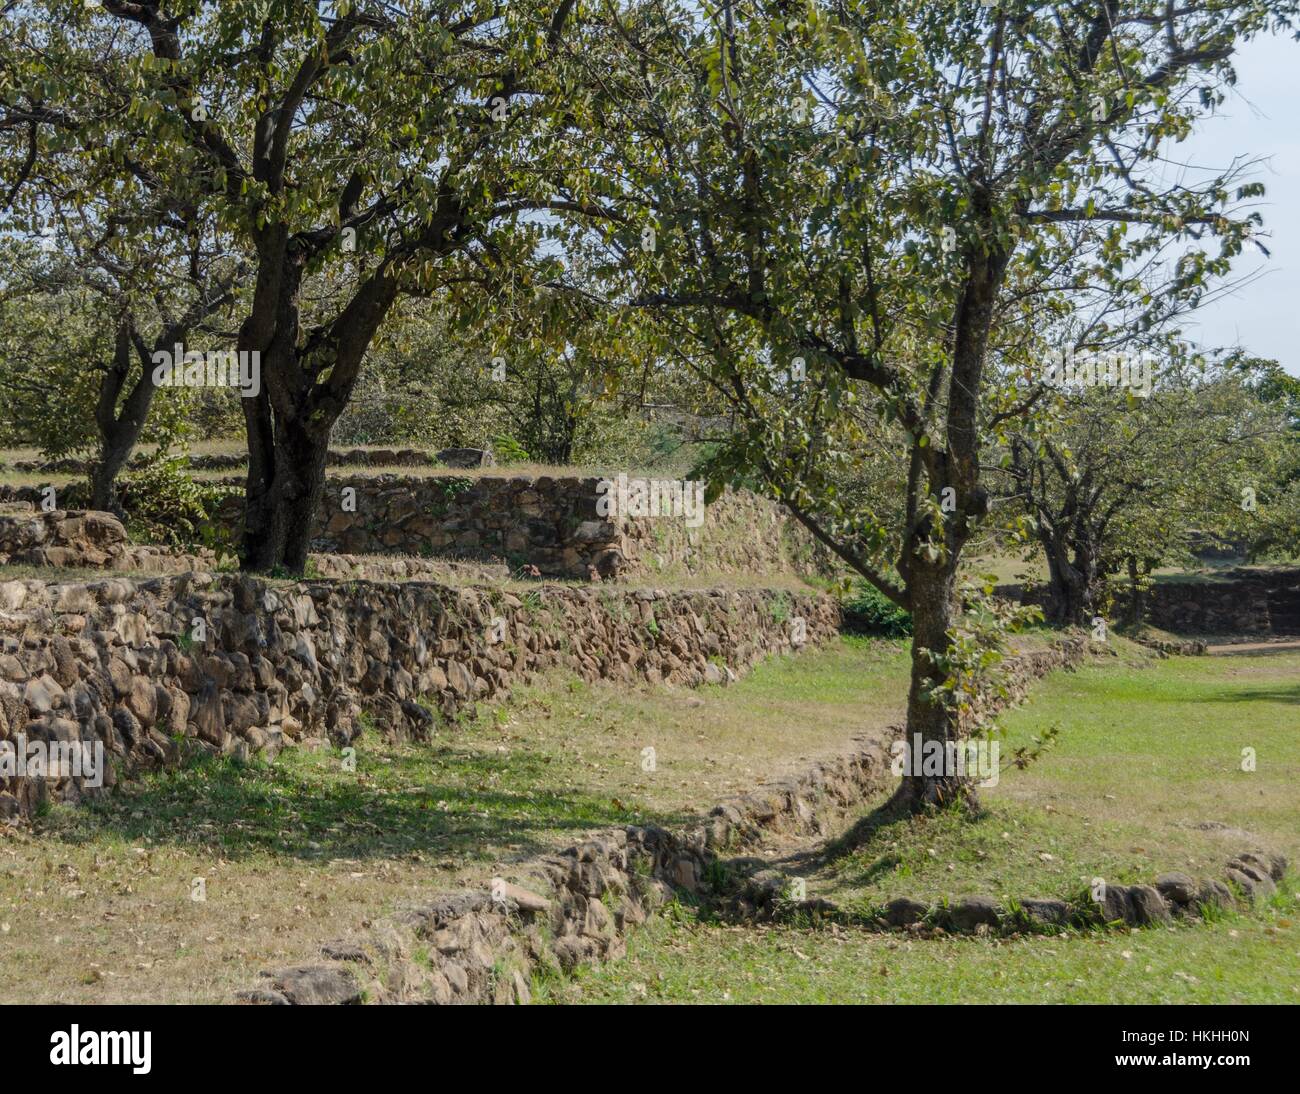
(390, 145)
(1115, 480)
(106, 241)
(881, 199)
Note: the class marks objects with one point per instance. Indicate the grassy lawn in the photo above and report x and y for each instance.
(1239, 959)
(1146, 777)
(95, 902)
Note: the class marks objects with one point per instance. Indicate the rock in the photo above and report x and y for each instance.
(1263, 866)
(1250, 880)
(522, 993)
(973, 911)
(1114, 905)
(1178, 888)
(1148, 907)
(1242, 882)
(465, 457)
(344, 951)
(1046, 912)
(316, 985)
(1212, 894)
(904, 911)
(262, 997)
(520, 898)
(460, 679)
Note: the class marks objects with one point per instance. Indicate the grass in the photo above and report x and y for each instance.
(95, 901)
(1146, 777)
(1240, 959)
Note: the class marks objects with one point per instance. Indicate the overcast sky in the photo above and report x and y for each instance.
(1260, 119)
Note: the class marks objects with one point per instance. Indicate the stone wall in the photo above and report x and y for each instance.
(123, 661)
(1240, 601)
(560, 911)
(82, 539)
(543, 522)
(1258, 602)
(550, 523)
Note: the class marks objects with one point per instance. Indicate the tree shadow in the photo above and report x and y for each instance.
(1256, 695)
(448, 802)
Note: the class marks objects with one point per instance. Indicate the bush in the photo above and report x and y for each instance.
(166, 504)
(866, 610)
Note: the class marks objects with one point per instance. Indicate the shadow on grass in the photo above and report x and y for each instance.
(1254, 695)
(437, 801)
(869, 836)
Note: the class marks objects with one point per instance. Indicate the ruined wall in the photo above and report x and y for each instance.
(1241, 602)
(84, 539)
(551, 523)
(122, 662)
(1235, 602)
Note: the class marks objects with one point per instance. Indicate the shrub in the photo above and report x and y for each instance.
(866, 610)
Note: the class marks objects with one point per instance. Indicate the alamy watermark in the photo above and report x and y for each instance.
(21, 758)
(1085, 368)
(977, 759)
(651, 498)
(178, 367)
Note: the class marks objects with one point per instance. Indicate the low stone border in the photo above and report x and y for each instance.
(1187, 647)
(562, 910)
(1249, 876)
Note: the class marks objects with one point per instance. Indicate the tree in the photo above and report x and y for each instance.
(139, 267)
(1115, 479)
(397, 145)
(881, 199)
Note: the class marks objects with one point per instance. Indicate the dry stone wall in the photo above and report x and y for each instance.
(154, 669)
(548, 524)
(551, 523)
(80, 539)
(1241, 602)
(1246, 602)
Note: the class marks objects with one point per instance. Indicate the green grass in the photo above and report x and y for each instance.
(464, 802)
(1145, 777)
(1241, 959)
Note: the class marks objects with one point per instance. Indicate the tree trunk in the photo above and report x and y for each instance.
(118, 432)
(262, 545)
(932, 583)
(1073, 597)
(114, 451)
(934, 610)
(305, 385)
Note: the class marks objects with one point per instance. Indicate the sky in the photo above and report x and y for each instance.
(1260, 119)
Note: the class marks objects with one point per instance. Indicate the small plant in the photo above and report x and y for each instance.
(509, 450)
(166, 504)
(868, 611)
(780, 608)
(448, 490)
